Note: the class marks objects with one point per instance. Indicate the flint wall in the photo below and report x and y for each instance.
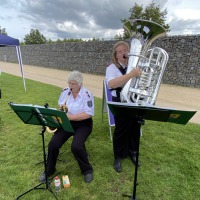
(183, 67)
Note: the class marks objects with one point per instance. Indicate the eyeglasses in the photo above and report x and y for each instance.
(72, 83)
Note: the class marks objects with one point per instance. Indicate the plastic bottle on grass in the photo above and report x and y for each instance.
(57, 184)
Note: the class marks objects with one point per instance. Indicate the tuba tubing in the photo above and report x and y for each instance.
(151, 61)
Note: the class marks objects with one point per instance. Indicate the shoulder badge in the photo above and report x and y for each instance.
(89, 103)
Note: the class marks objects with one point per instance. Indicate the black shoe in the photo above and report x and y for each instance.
(42, 177)
(133, 159)
(117, 165)
(88, 178)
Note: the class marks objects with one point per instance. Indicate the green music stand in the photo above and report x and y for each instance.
(43, 116)
(148, 112)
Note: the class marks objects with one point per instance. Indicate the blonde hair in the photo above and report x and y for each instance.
(75, 76)
(114, 52)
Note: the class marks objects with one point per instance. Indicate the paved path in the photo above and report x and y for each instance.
(171, 96)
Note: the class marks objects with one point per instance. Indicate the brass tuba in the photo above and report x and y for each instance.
(152, 61)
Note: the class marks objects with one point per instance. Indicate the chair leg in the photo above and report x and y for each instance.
(110, 128)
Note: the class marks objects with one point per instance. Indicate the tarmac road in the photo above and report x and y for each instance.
(171, 96)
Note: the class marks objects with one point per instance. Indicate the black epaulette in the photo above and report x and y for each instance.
(87, 93)
(65, 89)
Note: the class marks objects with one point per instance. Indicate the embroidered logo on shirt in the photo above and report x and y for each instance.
(89, 103)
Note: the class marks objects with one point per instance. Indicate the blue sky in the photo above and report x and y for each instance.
(89, 18)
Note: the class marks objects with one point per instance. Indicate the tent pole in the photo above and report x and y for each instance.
(20, 64)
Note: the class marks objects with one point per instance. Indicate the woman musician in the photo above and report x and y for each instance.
(80, 105)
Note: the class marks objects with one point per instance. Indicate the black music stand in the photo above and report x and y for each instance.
(150, 113)
(40, 115)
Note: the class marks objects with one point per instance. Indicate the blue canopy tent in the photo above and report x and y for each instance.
(6, 41)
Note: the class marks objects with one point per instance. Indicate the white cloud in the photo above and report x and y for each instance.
(91, 18)
(67, 26)
(187, 13)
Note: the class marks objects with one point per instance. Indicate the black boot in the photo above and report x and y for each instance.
(117, 165)
(132, 156)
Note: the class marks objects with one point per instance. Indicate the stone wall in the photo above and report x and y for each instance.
(182, 69)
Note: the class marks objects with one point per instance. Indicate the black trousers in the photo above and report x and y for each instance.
(82, 130)
(126, 134)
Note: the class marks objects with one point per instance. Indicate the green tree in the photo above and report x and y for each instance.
(35, 37)
(94, 40)
(119, 37)
(59, 41)
(73, 40)
(150, 12)
(50, 41)
(3, 31)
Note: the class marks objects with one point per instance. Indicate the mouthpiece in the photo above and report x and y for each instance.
(46, 105)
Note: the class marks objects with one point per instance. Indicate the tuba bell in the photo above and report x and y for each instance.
(143, 90)
(63, 108)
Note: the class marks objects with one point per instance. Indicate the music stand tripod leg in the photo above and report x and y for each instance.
(140, 122)
(47, 182)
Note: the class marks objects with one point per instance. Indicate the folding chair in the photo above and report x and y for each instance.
(107, 97)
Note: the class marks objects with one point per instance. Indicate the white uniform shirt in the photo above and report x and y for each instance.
(112, 72)
(84, 101)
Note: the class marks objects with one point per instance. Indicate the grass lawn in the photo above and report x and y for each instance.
(169, 155)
